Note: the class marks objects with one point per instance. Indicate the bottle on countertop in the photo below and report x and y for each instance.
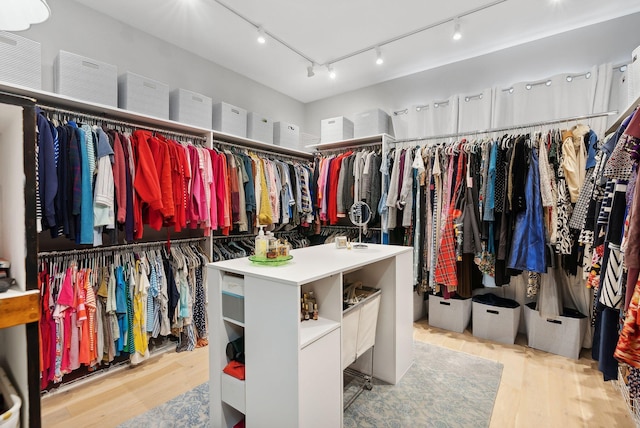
(262, 243)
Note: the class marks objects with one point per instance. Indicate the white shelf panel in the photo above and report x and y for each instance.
(233, 392)
(312, 330)
(234, 322)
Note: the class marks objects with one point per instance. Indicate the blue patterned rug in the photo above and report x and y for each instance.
(443, 388)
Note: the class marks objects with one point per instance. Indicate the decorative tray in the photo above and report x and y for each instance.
(278, 261)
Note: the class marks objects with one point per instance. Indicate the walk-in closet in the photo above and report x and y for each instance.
(362, 214)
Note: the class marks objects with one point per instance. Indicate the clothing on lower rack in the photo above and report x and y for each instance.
(97, 306)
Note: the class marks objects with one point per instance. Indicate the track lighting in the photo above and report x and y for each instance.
(332, 72)
(422, 107)
(262, 38)
(569, 78)
(457, 34)
(548, 83)
(310, 70)
(379, 59)
(623, 68)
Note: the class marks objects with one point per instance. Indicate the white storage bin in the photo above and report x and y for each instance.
(230, 119)
(10, 412)
(560, 335)
(85, 79)
(370, 122)
(21, 61)
(286, 134)
(450, 314)
(495, 323)
(359, 324)
(233, 392)
(143, 95)
(335, 129)
(259, 127)
(191, 108)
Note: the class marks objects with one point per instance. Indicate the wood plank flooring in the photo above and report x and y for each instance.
(537, 389)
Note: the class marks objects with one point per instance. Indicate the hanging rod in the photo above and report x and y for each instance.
(284, 156)
(322, 152)
(349, 227)
(118, 247)
(508, 128)
(52, 109)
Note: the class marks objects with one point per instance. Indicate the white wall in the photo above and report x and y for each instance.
(81, 30)
(571, 52)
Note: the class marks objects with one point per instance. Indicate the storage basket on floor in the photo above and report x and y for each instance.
(450, 314)
(11, 403)
(495, 318)
(561, 335)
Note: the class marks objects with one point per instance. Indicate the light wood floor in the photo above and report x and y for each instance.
(537, 389)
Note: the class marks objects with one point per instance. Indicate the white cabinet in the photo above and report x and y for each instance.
(293, 368)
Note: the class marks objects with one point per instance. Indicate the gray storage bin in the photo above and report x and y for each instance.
(230, 119)
(259, 127)
(450, 314)
(561, 335)
(370, 122)
(86, 79)
(143, 95)
(191, 108)
(336, 129)
(21, 61)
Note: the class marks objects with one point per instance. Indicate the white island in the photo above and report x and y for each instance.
(293, 368)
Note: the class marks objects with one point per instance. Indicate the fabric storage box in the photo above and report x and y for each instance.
(561, 335)
(335, 129)
(359, 323)
(495, 318)
(230, 119)
(143, 95)
(259, 127)
(370, 122)
(286, 134)
(21, 61)
(233, 297)
(191, 108)
(85, 79)
(11, 403)
(452, 314)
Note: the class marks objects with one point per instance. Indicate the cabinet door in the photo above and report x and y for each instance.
(321, 383)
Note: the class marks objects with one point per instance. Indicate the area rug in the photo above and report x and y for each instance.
(443, 388)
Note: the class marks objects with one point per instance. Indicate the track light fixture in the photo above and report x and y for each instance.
(332, 72)
(311, 70)
(379, 59)
(262, 37)
(457, 34)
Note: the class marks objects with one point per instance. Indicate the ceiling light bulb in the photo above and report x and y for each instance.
(310, 71)
(569, 78)
(467, 99)
(623, 68)
(436, 105)
(262, 38)
(457, 34)
(548, 83)
(588, 75)
(511, 90)
(379, 59)
(332, 72)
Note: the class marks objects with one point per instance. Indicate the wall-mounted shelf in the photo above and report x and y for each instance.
(19, 307)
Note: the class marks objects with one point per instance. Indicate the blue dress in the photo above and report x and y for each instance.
(528, 245)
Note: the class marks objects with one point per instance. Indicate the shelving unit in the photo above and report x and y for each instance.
(19, 307)
(296, 365)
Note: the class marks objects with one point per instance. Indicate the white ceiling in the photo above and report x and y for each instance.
(328, 29)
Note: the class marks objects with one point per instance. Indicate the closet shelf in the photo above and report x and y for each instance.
(233, 392)
(312, 330)
(19, 307)
(353, 142)
(234, 322)
(623, 116)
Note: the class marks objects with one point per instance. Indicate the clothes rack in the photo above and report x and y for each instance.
(347, 148)
(506, 128)
(119, 247)
(116, 122)
(279, 156)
